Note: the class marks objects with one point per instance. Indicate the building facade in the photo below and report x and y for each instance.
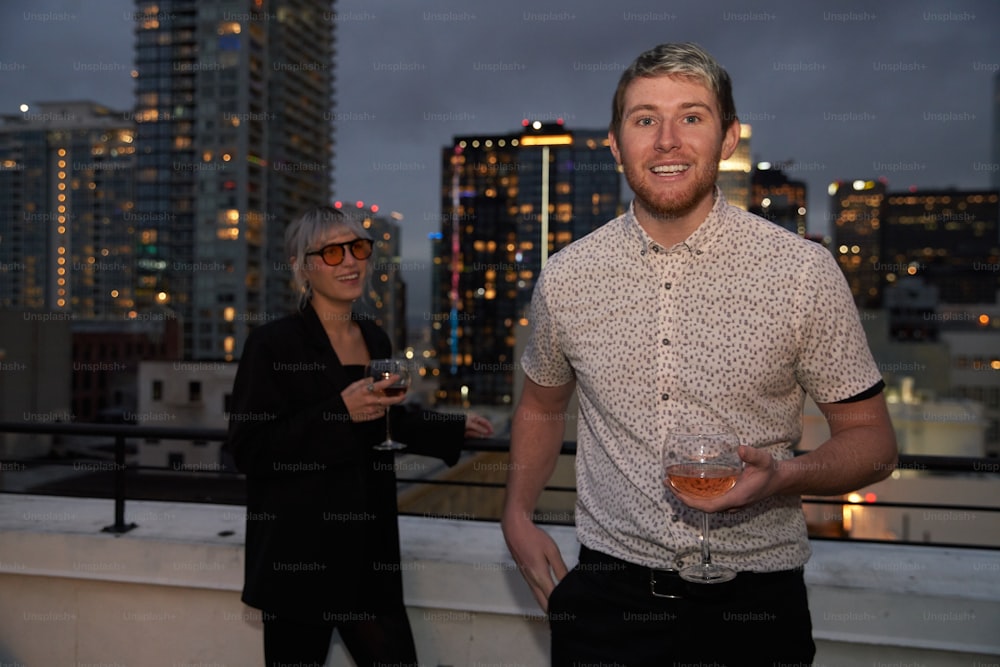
(106, 359)
(193, 394)
(234, 140)
(950, 238)
(734, 172)
(857, 209)
(385, 300)
(66, 205)
(507, 202)
(777, 198)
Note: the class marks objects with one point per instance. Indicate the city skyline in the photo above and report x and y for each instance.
(857, 93)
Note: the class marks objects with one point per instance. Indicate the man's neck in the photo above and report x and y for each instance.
(668, 231)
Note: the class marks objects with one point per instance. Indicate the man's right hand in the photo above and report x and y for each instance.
(536, 555)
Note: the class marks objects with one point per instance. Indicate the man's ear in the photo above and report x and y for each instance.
(613, 143)
(730, 139)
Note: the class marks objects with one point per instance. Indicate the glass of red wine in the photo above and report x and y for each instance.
(383, 369)
(702, 461)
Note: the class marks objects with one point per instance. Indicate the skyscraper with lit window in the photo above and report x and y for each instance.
(857, 209)
(777, 198)
(734, 173)
(508, 201)
(234, 141)
(66, 206)
(385, 301)
(949, 238)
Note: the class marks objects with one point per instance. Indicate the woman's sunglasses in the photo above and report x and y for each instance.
(334, 253)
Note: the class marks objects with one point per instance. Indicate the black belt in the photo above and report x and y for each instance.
(667, 583)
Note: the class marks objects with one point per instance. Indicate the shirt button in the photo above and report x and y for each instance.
(664, 397)
(666, 341)
(668, 285)
(675, 518)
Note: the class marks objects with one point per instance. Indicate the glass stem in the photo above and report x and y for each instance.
(388, 435)
(706, 554)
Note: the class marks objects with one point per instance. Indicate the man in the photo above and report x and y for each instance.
(682, 309)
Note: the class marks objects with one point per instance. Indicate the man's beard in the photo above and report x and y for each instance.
(675, 204)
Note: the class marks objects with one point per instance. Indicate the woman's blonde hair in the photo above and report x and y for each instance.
(303, 235)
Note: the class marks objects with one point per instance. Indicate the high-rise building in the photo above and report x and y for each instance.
(734, 172)
(508, 201)
(385, 301)
(777, 198)
(950, 238)
(66, 210)
(857, 210)
(234, 141)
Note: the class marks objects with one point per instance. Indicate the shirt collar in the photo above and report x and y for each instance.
(697, 243)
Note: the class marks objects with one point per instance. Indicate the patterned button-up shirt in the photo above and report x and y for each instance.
(739, 322)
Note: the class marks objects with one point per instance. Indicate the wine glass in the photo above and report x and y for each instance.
(383, 369)
(702, 461)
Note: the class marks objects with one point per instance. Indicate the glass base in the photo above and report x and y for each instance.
(389, 446)
(707, 573)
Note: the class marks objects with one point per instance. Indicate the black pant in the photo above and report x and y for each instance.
(373, 640)
(604, 612)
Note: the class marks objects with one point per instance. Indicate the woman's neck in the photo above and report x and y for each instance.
(336, 318)
(343, 332)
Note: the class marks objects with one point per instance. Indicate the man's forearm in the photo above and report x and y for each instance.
(846, 462)
(861, 451)
(535, 444)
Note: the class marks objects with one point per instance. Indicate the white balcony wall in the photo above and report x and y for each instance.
(167, 593)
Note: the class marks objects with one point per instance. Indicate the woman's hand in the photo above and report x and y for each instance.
(366, 401)
(477, 426)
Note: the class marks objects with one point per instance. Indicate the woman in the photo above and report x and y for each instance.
(322, 543)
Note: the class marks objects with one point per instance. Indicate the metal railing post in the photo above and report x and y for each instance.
(119, 526)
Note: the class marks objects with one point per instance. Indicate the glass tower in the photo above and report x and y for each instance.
(507, 201)
(66, 207)
(234, 140)
(857, 209)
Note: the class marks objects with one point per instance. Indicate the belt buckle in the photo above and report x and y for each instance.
(672, 583)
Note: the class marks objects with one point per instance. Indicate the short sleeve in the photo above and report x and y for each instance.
(835, 362)
(544, 360)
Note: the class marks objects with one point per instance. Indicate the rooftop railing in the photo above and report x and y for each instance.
(225, 484)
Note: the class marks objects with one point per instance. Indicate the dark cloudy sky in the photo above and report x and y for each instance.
(846, 90)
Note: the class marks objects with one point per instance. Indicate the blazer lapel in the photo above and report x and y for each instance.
(375, 339)
(316, 338)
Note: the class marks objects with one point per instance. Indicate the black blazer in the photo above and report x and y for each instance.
(322, 540)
